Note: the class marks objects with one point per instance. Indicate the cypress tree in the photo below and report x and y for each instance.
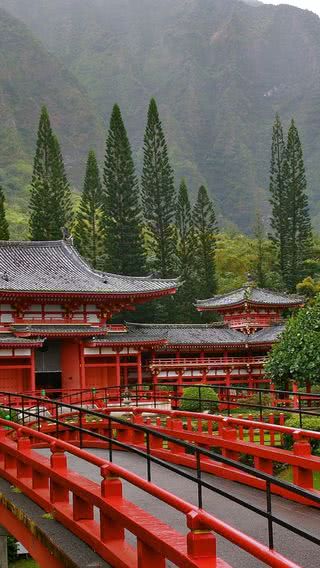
(185, 256)
(50, 199)
(122, 212)
(279, 197)
(298, 217)
(4, 227)
(205, 228)
(88, 234)
(158, 196)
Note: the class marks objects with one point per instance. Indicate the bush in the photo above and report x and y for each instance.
(12, 549)
(192, 402)
(310, 423)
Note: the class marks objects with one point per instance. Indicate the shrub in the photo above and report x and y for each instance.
(192, 402)
(12, 549)
(310, 423)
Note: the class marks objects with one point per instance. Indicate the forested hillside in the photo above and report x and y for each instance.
(29, 76)
(219, 70)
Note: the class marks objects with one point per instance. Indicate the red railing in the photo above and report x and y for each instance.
(50, 483)
(234, 437)
(206, 362)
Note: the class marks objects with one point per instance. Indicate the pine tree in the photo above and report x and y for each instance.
(158, 196)
(185, 296)
(259, 234)
(122, 212)
(298, 217)
(279, 198)
(205, 229)
(88, 234)
(4, 227)
(50, 199)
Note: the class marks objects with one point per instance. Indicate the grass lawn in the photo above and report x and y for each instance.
(286, 475)
(24, 564)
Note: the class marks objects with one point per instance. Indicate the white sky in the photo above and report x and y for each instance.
(313, 5)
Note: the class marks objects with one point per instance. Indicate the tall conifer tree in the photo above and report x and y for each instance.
(88, 234)
(185, 296)
(122, 211)
(158, 196)
(50, 200)
(279, 197)
(298, 216)
(4, 227)
(205, 228)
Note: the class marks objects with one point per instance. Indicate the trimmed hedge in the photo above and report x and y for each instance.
(308, 423)
(191, 402)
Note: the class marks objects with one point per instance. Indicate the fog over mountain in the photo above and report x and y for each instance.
(219, 70)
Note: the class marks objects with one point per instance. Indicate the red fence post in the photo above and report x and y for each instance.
(148, 557)
(201, 542)
(301, 476)
(24, 470)
(111, 487)
(229, 433)
(58, 461)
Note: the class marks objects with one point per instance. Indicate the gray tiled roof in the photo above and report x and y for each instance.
(267, 335)
(55, 266)
(251, 295)
(8, 339)
(187, 334)
(42, 330)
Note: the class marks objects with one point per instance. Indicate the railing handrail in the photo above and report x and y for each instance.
(146, 430)
(243, 541)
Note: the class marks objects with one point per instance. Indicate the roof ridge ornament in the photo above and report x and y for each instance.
(67, 236)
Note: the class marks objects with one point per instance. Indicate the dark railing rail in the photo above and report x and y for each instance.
(113, 442)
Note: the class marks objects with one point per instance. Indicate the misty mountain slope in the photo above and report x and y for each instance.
(219, 70)
(29, 78)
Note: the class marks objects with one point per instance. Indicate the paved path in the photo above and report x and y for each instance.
(297, 549)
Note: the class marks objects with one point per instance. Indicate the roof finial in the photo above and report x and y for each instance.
(66, 235)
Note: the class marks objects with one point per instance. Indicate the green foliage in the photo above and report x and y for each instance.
(12, 549)
(88, 232)
(122, 212)
(4, 227)
(308, 287)
(278, 191)
(299, 233)
(50, 196)
(185, 296)
(308, 423)
(198, 398)
(205, 229)
(297, 355)
(158, 196)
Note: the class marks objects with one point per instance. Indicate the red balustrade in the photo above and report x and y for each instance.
(71, 498)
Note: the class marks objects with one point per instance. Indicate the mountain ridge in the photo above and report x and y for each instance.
(219, 70)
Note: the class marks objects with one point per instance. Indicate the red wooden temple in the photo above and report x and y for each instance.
(55, 330)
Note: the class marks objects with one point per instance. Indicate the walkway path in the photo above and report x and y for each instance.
(297, 549)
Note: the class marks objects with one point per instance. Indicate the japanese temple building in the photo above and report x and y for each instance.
(55, 330)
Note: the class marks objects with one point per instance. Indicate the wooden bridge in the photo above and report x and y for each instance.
(151, 488)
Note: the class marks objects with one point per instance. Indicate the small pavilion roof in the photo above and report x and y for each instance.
(250, 295)
(56, 267)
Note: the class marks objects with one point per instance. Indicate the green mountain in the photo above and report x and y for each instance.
(219, 70)
(29, 78)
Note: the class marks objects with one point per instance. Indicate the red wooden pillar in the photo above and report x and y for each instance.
(82, 367)
(139, 367)
(118, 372)
(125, 373)
(32, 372)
